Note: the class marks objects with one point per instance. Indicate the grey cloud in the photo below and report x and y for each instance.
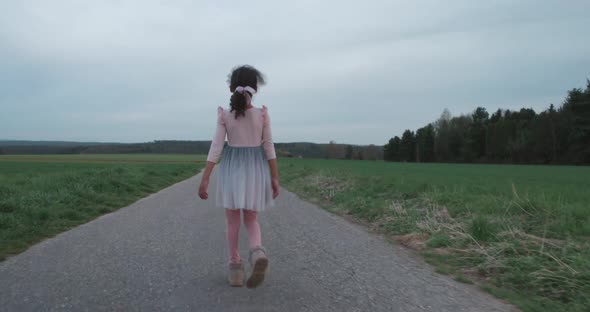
(353, 72)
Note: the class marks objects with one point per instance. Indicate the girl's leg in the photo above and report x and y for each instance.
(253, 228)
(257, 258)
(232, 220)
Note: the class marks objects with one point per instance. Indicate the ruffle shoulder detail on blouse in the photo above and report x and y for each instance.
(220, 113)
(265, 118)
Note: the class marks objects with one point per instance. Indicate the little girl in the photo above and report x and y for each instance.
(248, 178)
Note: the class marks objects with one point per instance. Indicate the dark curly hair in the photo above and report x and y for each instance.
(244, 76)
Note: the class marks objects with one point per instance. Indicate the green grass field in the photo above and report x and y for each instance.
(41, 196)
(520, 232)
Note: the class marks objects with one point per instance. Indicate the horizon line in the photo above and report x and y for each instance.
(170, 140)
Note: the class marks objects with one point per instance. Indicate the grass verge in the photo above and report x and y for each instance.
(519, 232)
(39, 199)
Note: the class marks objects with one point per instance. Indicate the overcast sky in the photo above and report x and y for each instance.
(354, 72)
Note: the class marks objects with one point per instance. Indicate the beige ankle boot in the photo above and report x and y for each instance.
(236, 274)
(258, 263)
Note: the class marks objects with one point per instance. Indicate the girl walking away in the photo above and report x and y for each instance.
(248, 179)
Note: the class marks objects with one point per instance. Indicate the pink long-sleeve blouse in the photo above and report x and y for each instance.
(250, 130)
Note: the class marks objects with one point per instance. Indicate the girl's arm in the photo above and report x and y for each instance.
(274, 173)
(269, 149)
(208, 170)
(267, 144)
(205, 180)
(214, 153)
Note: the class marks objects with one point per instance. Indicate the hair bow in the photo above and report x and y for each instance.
(243, 90)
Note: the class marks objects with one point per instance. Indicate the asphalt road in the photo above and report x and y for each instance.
(167, 252)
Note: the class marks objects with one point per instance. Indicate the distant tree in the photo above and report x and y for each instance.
(349, 152)
(283, 153)
(442, 137)
(372, 153)
(391, 150)
(576, 111)
(425, 144)
(543, 139)
(458, 131)
(477, 138)
(335, 151)
(359, 155)
(552, 116)
(480, 115)
(408, 146)
(496, 117)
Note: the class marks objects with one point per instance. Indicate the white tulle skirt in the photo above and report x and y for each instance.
(244, 180)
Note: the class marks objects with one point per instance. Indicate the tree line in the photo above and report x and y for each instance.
(554, 136)
(298, 149)
(353, 152)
